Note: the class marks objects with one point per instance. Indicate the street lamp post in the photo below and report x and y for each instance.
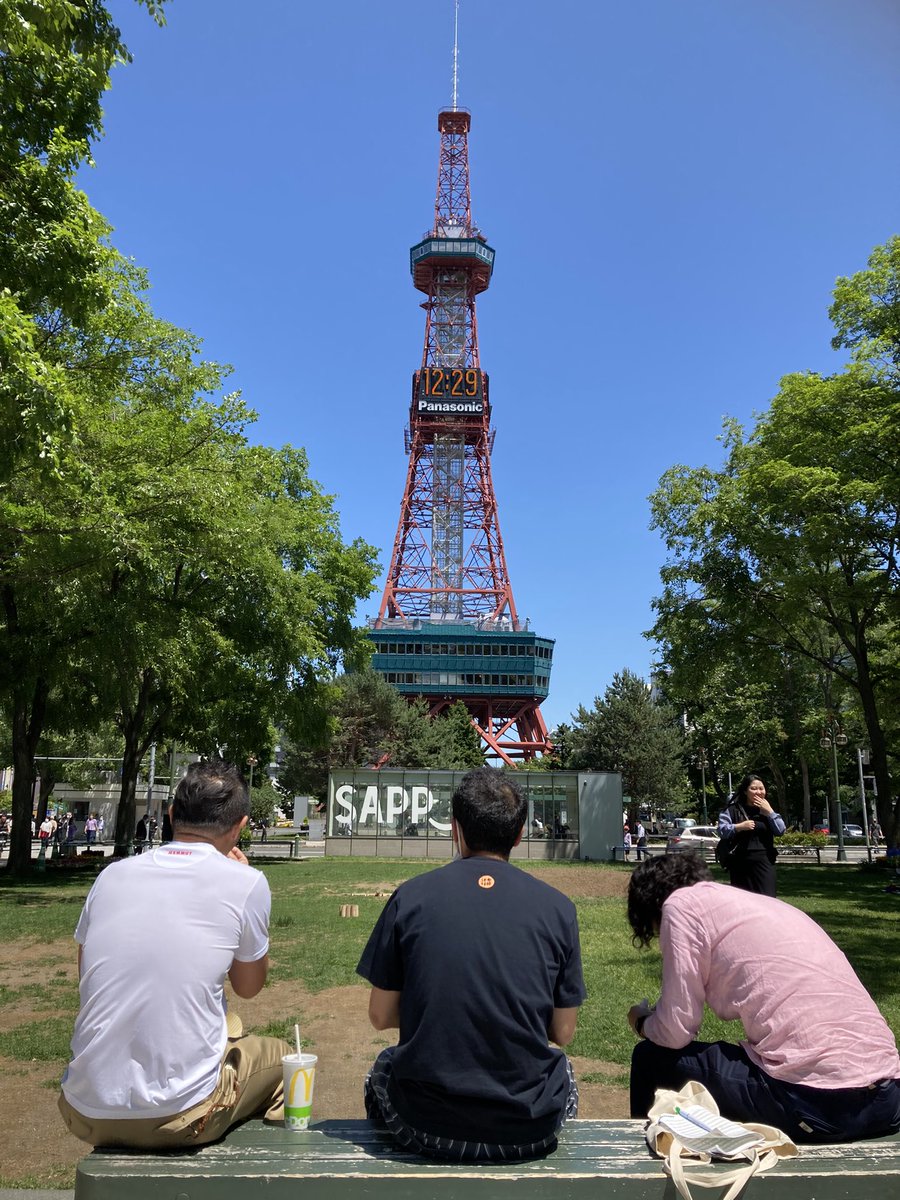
(703, 783)
(862, 799)
(834, 736)
(251, 763)
(151, 779)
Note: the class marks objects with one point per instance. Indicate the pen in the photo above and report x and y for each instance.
(694, 1120)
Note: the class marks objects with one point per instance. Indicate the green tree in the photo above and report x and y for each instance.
(365, 718)
(303, 770)
(66, 536)
(447, 741)
(747, 705)
(792, 538)
(56, 277)
(169, 574)
(242, 605)
(462, 742)
(792, 544)
(55, 61)
(364, 714)
(372, 725)
(629, 731)
(263, 802)
(561, 737)
(866, 315)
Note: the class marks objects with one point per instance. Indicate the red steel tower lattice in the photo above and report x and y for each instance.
(448, 566)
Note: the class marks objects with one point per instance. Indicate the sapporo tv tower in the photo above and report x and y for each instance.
(448, 628)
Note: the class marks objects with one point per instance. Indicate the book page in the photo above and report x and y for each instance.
(705, 1132)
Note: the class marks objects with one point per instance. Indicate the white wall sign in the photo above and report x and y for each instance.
(388, 808)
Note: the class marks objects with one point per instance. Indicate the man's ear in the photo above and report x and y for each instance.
(458, 837)
(519, 838)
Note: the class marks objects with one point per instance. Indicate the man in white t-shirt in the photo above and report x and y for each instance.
(156, 1063)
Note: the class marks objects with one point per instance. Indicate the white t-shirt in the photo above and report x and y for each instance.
(159, 933)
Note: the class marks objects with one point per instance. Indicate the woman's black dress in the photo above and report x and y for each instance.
(751, 865)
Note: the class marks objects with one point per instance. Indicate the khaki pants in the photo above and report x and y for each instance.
(250, 1084)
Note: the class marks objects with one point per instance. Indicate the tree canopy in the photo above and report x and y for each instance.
(55, 63)
(788, 552)
(157, 570)
(629, 731)
(372, 725)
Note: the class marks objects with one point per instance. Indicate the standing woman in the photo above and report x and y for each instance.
(752, 823)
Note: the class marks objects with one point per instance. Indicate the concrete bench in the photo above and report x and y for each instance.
(351, 1160)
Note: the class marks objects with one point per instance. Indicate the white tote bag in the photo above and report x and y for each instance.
(690, 1168)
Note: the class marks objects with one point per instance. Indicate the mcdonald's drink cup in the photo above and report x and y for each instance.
(299, 1081)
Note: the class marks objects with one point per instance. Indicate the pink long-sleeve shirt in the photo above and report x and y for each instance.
(806, 1016)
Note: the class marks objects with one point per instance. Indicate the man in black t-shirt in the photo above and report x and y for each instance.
(479, 966)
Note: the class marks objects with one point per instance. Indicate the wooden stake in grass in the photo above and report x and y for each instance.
(349, 910)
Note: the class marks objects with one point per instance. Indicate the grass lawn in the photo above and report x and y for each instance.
(310, 942)
(313, 943)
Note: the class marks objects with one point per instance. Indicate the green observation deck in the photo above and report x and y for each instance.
(446, 253)
(459, 660)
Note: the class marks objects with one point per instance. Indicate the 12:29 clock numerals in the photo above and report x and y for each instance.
(460, 382)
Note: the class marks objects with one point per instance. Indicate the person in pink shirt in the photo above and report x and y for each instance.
(818, 1060)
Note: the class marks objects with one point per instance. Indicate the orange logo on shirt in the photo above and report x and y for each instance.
(486, 881)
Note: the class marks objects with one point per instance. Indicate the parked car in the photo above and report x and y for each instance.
(693, 837)
(853, 831)
(821, 828)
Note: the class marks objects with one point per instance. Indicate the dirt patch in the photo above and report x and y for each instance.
(36, 1144)
(583, 881)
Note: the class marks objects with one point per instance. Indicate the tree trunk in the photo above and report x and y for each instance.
(27, 724)
(780, 788)
(138, 734)
(125, 814)
(807, 804)
(47, 779)
(715, 779)
(888, 809)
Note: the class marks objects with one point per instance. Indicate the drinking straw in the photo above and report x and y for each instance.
(297, 1039)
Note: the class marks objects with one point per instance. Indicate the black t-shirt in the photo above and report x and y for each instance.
(481, 953)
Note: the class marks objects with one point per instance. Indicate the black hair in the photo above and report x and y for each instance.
(212, 796)
(490, 810)
(652, 882)
(740, 796)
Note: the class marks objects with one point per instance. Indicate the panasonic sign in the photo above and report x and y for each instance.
(450, 406)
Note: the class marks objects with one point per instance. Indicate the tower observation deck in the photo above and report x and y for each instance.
(448, 628)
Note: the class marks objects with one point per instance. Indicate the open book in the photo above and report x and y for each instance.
(705, 1132)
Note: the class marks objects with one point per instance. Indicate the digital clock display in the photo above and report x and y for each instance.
(450, 383)
(449, 390)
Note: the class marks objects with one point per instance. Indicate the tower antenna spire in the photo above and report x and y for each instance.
(455, 54)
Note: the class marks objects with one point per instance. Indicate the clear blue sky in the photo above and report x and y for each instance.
(671, 189)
